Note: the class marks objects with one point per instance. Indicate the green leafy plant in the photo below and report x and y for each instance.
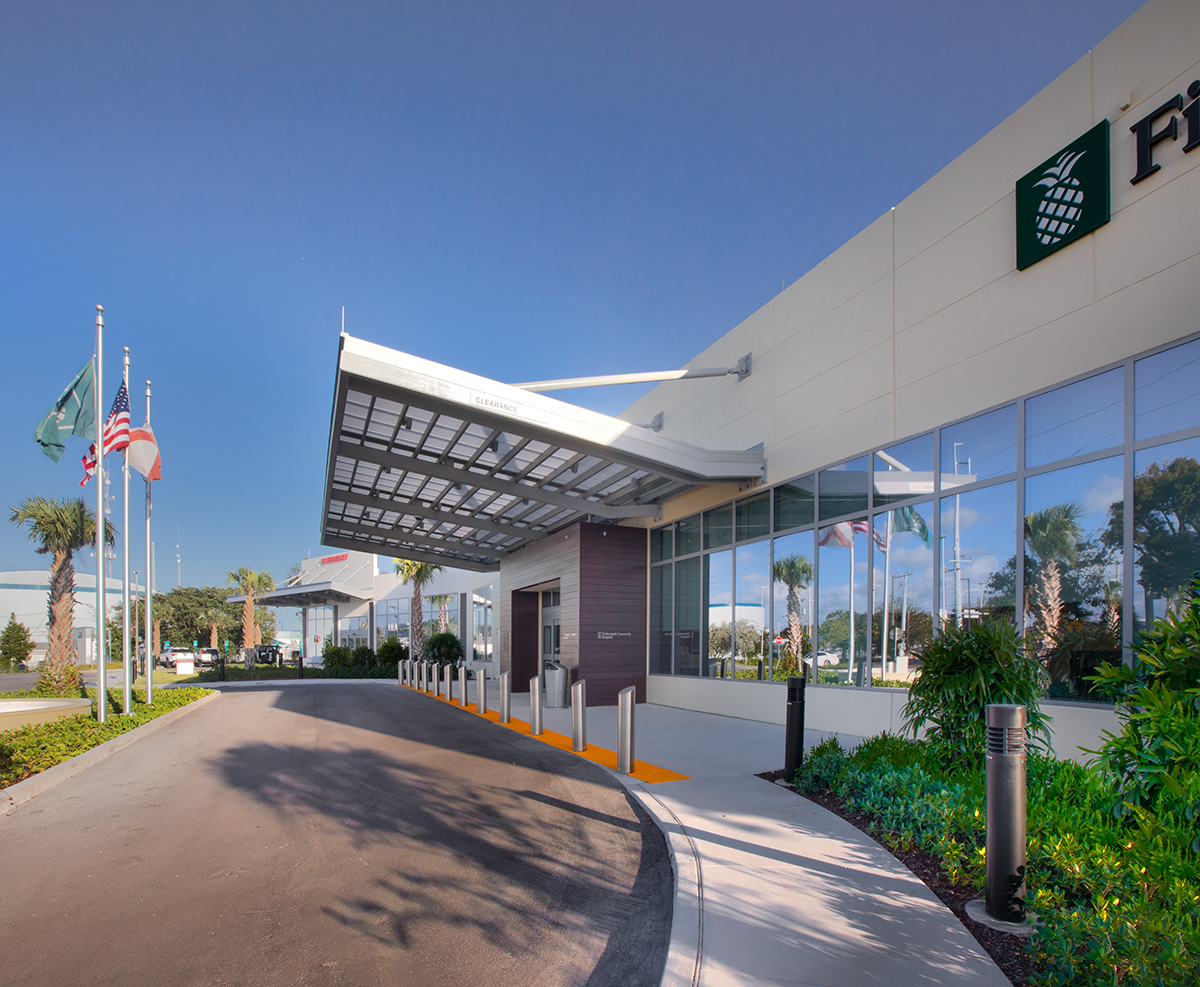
(444, 648)
(1158, 748)
(392, 652)
(965, 669)
(16, 644)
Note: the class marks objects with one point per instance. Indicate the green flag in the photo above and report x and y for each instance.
(908, 519)
(74, 413)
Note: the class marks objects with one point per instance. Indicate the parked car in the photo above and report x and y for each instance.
(169, 656)
(208, 657)
(271, 654)
(823, 659)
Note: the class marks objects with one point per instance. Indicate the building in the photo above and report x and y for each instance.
(987, 402)
(343, 599)
(25, 595)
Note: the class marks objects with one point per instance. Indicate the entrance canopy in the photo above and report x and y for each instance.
(434, 464)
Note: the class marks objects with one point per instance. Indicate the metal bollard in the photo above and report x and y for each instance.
(1004, 781)
(423, 677)
(505, 697)
(625, 702)
(793, 745)
(449, 677)
(481, 691)
(462, 686)
(578, 714)
(535, 706)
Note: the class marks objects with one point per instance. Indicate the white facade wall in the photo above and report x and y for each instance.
(923, 318)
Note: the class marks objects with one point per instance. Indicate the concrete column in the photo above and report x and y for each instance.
(371, 625)
(303, 633)
(337, 632)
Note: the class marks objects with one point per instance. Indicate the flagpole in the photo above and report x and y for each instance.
(126, 656)
(149, 585)
(101, 664)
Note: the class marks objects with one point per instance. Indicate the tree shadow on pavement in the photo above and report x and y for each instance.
(532, 860)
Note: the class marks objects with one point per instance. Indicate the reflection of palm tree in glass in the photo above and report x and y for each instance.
(442, 602)
(795, 572)
(1052, 535)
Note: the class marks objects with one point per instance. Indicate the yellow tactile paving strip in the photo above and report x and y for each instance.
(651, 774)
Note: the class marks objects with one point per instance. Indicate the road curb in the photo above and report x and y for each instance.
(685, 951)
(20, 793)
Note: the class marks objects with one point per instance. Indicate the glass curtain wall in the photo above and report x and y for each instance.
(1074, 512)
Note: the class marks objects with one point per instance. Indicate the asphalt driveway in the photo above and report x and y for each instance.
(334, 834)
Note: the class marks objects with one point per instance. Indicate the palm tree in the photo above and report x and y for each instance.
(249, 582)
(795, 572)
(61, 528)
(1052, 535)
(416, 574)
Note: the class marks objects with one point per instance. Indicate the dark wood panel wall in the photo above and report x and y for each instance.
(601, 575)
(612, 612)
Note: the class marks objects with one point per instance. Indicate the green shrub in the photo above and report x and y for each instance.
(1158, 748)
(362, 657)
(336, 656)
(444, 648)
(965, 669)
(392, 652)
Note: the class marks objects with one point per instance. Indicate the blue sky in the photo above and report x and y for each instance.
(522, 190)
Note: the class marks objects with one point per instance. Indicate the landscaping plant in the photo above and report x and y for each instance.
(964, 669)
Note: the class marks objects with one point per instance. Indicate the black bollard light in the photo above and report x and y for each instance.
(1005, 838)
(793, 749)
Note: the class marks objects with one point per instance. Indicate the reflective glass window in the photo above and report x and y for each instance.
(660, 618)
(661, 544)
(718, 527)
(1083, 417)
(795, 503)
(842, 606)
(752, 606)
(979, 448)
(903, 574)
(1166, 527)
(687, 535)
(687, 617)
(904, 471)
(718, 604)
(753, 516)
(1073, 572)
(843, 489)
(1166, 391)
(977, 572)
(792, 576)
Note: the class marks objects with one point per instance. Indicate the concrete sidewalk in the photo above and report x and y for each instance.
(771, 888)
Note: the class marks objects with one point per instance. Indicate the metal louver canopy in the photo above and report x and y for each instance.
(434, 464)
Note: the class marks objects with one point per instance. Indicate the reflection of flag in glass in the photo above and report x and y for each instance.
(908, 519)
(842, 534)
(115, 435)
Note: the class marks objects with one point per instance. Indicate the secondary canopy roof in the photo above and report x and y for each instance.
(434, 464)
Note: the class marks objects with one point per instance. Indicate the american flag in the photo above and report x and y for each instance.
(843, 534)
(115, 436)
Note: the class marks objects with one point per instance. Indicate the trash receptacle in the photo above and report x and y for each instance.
(558, 685)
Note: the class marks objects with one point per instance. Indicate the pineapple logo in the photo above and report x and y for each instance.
(1061, 205)
(1064, 198)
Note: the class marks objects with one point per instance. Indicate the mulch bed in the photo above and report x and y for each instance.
(1008, 951)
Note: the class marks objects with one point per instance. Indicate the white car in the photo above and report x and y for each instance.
(824, 659)
(170, 656)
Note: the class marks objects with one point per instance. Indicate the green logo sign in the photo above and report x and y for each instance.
(1063, 198)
